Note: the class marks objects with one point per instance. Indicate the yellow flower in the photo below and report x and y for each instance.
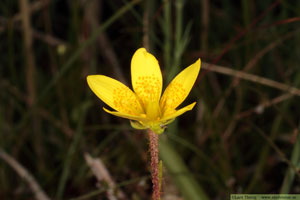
(144, 106)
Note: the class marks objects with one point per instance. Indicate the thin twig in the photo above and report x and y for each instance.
(249, 66)
(35, 6)
(34, 186)
(261, 107)
(251, 77)
(245, 31)
(277, 149)
(31, 8)
(47, 38)
(58, 123)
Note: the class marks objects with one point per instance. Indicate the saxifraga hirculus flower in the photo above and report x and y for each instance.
(144, 106)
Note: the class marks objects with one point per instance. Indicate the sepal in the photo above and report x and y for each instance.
(137, 125)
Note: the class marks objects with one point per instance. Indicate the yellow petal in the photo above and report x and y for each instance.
(125, 115)
(178, 112)
(180, 87)
(146, 77)
(115, 94)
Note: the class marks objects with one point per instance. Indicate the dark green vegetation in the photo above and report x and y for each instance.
(242, 136)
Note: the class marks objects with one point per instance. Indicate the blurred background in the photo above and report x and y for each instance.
(56, 142)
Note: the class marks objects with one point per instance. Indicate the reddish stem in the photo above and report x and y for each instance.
(153, 148)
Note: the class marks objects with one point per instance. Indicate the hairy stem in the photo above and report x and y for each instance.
(153, 148)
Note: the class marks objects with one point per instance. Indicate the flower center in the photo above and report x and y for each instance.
(147, 88)
(153, 110)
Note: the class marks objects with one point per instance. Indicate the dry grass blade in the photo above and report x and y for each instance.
(30, 75)
(34, 186)
(102, 174)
